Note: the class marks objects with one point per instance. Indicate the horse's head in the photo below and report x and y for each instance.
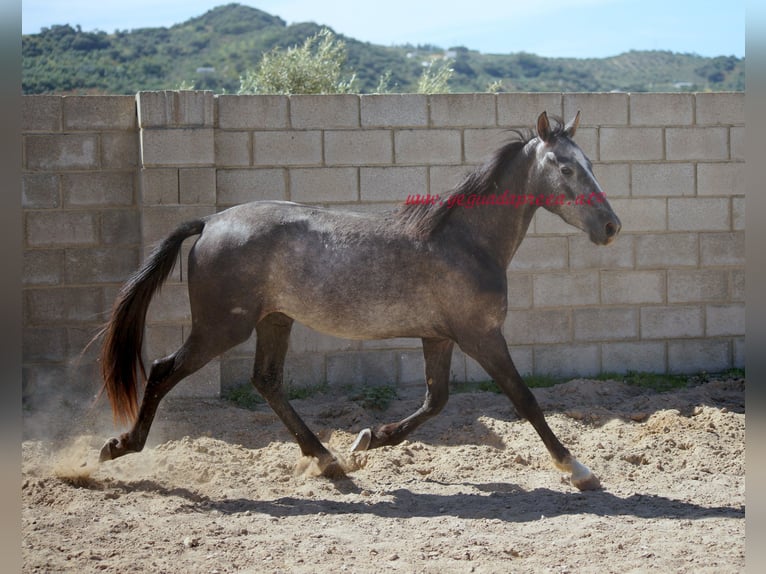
(562, 178)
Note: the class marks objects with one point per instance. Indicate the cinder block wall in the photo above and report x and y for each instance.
(105, 177)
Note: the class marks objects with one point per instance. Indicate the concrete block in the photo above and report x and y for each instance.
(324, 111)
(258, 112)
(410, 367)
(683, 144)
(718, 108)
(605, 324)
(204, 383)
(537, 326)
(520, 110)
(119, 150)
(662, 179)
(641, 214)
(693, 285)
(519, 290)
(738, 213)
(721, 179)
(739, 353)
(177, 147)
(598, 109)
(43, 345)
(631, 144)
(443, 178)
(661, 109)
(235, 373)
(541, 254)
(392, 183)
(362, 368)
(480, 144)
(306, 340)
(100, 188)
(96, 113)
(394, 110)
(427, 147)
(100, 265)
(158, 221)
(722, 320)
(565, 289)
(161, 341)
(567, 360)
(587, 140)
(170, 305)
(614, 178)
(166, 109)
(233, 149)
(42, 267)
(159, 186)
(722, 248)
(738, 285)
(40, 191)
(366, 147)
(235, 186)
(61, 228)
(61, 152)
(669, 322)
(324, 184)
(196, 185)
(303, 370)
(462, 110)
(633, 356)
(632, 287)
(41, 113)
(584, 254)
(696, 355)
(737, 143)
(288, 148)
(698, 214)
(667, 250)
(57, 305)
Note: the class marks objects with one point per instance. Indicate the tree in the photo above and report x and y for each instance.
(316, 67)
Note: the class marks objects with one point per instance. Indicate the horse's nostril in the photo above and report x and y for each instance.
(611, 229)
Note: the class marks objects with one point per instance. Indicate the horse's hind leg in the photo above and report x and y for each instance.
(272, 338)
(165, 373)
(438, 356)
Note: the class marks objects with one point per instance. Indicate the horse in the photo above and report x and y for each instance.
(433, 270)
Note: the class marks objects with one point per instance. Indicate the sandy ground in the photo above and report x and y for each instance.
(473, 490)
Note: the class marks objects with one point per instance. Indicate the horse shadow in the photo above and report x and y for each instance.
(500, 501)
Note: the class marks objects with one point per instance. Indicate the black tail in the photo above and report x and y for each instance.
(121, 359)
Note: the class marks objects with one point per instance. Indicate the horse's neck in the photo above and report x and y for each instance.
(498, 229)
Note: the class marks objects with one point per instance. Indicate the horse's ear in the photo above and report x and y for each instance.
(571, 127)
(543, 127)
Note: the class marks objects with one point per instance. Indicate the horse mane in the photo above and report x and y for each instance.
(423, 219)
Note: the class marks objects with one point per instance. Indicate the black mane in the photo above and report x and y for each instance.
(422, 219)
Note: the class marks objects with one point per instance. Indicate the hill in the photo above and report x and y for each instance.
(212, 51)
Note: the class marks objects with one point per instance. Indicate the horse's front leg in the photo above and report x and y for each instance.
(438, 356)
(491, 351)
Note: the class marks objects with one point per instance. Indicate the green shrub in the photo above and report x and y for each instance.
(316, 67)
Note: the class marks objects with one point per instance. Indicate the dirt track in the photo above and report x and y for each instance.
(473, 491)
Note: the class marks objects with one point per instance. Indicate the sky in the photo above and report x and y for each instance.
(550, 28)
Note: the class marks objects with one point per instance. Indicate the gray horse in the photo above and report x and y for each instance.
(434, 270)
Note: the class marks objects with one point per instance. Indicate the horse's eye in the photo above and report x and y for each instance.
(566, 170)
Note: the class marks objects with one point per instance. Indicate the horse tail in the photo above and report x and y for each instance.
(121, 358)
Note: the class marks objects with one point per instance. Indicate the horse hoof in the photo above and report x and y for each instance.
(107, 451)
(362, 441)
(590, 483)
(334, 471)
